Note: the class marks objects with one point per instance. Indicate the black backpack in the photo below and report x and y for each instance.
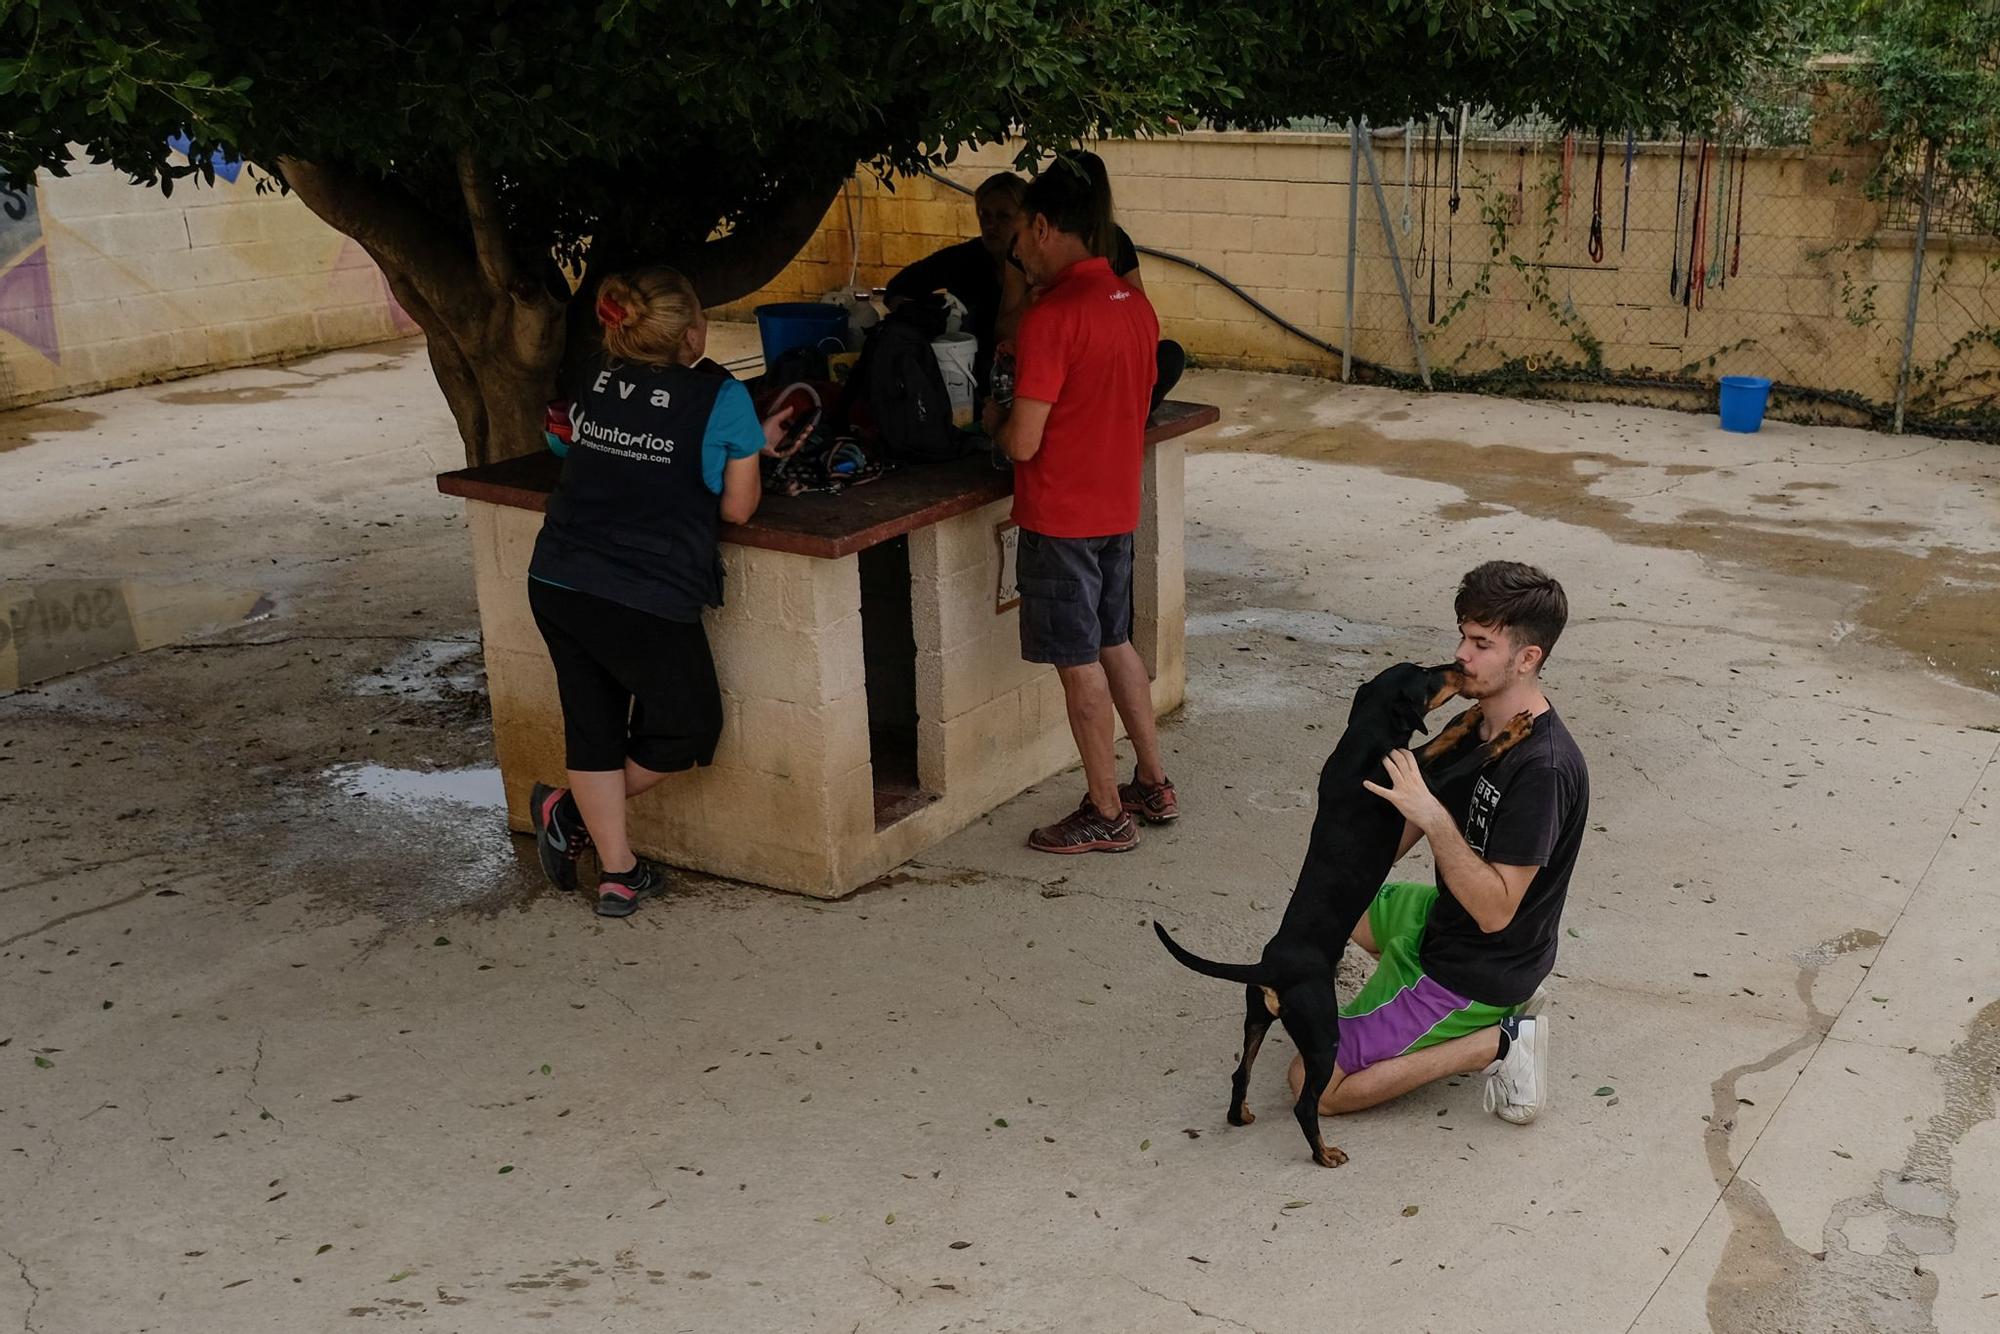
(898, 378)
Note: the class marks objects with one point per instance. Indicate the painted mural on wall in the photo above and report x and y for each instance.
(27, 301)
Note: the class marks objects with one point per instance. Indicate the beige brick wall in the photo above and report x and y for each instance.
(1269, 212)
(142, 286)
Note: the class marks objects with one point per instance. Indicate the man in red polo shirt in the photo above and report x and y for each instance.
(1084, 366)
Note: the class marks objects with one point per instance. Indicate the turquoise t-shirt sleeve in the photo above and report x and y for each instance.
(733, 433)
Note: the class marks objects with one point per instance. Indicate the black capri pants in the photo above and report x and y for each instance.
(633, 685)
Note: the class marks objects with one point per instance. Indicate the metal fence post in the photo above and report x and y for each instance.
(1916, 284)
(1353, 216)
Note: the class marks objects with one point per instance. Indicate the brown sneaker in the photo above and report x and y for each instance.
(1154, 803)
(1084, 830)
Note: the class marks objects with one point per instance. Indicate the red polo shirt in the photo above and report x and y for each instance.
(1087, 348)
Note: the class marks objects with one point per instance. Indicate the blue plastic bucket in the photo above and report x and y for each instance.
(784, 325)
(1743, 400)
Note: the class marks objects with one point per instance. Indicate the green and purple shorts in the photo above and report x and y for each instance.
(1401, 1010)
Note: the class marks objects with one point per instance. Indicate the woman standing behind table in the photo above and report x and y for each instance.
(661, 454)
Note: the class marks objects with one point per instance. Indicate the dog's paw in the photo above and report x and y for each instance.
(1329, 1156)
(1241, 1115)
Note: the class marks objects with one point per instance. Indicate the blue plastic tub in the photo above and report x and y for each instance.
(1743, 400)
(784, 325)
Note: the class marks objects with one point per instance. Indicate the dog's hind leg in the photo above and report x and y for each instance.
(1318, 1039)
(1260, 1007)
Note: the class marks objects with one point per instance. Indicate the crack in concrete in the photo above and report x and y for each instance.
(69, 871)
(1178, 1301)
(34, 1294)
(119, 902)
(250, 1089)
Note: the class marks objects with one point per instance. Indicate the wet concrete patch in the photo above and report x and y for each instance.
(1934, 603)
(478, 788)
(65, 625)
(25, 426)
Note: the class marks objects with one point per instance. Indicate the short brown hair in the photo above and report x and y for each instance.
(1002, 183)
(647, 315)
(1520, 599)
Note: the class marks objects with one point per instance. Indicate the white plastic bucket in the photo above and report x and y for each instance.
(955, 354)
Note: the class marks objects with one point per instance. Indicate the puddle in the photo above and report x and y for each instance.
(24, 426)
(1938, 604)
(478, 788)
(65, 625)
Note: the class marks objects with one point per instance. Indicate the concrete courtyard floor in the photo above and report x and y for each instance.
(293, 1037)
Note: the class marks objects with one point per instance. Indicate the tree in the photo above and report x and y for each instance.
(491, 155)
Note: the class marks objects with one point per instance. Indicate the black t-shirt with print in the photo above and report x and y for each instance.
(1528, 808)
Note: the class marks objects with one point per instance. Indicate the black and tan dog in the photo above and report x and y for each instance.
(1354, 839)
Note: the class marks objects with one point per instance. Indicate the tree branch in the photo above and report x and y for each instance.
(759, 247)
(489, 234)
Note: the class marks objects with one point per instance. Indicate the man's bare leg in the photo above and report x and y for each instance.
(1087, 693)
(1132, 693)
(1398, 1075)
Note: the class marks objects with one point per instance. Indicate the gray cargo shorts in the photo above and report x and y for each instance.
(1076, 596)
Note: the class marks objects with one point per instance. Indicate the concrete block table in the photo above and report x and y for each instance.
(875, 701)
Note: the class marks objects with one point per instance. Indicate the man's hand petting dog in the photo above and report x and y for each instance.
(1408, 792)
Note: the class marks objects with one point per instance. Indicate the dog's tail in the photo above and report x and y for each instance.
(1249, 973)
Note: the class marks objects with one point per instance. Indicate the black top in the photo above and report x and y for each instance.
(1124, 255)
(969, 273)
(632, 519)
(1528, 808)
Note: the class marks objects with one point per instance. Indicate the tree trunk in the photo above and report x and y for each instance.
(496, 338)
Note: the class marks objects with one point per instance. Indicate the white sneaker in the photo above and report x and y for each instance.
(1517, 1084)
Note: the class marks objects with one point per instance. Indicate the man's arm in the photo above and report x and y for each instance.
(1019, 433)
(1489, 892)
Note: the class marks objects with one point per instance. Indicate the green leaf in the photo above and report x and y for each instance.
(545, 1069)
(1000, 1121)
(505, 1170)
(1604, 1091)
(400, 1275)
(45, 1063)
(890, 1219)
(324, 1248)
(442, 940)
(1144, 1145)
(1296, 1204)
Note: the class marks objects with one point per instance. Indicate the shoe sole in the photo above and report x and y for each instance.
(1141, 813)
(1099, 846)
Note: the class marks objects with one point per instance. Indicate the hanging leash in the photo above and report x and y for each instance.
(1717, 269)
(1409, 133)
(1742, 172)
(1437, 151)
(1423, 227)
(1625, 215)
(1569, 163)
(1680, 180)
(1692, 292)
(1596, 246)
(1520, 184)
(1457, 157)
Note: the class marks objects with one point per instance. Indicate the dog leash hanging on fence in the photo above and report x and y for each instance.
(1596, 245)
(1680, 180)
(1697, 279)
(1423, 218)
(1625, 215)
(1409, 133)
(1742, 171)
(1569, 163)
(1520, 209)
(1457, 157)
(1437, 152)
(1724, 175)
